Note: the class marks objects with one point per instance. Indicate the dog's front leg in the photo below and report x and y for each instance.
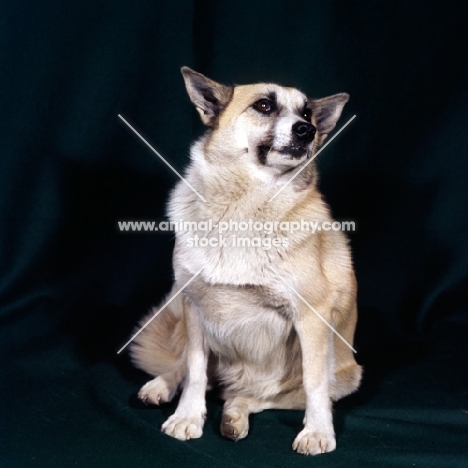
(318, 435)
(189, 417)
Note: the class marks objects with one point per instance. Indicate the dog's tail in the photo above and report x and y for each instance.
(160, 345)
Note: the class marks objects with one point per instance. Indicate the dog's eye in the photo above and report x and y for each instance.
(307, 114)
(264, 106)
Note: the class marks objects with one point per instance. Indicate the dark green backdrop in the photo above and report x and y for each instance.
(72, 286)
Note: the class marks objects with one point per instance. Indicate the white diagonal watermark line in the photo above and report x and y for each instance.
(160, 157)
(313, 310)
(160, 310)
(311, 159)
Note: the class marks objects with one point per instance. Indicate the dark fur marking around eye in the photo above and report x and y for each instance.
(272, 97)
(266, 105)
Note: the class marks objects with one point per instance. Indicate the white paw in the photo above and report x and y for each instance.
(156, 391)
(309, 442)
(184, 428)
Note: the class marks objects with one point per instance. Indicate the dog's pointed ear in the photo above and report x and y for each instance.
(327, 111)
(209, 97)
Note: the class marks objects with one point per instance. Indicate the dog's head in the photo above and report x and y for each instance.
(278, 128)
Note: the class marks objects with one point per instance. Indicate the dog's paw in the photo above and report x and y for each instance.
(235, 425)
(184, 428)
(157, 391)
(309, 442)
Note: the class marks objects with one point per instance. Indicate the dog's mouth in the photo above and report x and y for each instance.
(292, 152)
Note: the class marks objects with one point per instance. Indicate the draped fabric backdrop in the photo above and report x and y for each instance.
(72, 286)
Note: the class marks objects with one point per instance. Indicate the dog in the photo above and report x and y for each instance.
(272, 326)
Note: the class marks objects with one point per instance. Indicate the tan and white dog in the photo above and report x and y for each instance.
(249, 321)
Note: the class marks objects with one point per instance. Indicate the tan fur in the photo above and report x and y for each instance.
(238, 322)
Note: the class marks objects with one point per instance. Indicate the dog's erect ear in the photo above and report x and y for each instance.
(327, 111)
(209, 97)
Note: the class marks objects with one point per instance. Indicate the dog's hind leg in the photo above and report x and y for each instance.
(347, 380)
(163, 388)
(159, 349)
(347, 373)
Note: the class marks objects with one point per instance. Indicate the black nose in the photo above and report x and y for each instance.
(304, 131)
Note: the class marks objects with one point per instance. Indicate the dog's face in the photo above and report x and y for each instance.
(278, 128)
(271, 123)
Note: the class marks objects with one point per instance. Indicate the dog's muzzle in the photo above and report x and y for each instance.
(302, 135)
(303, 132)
